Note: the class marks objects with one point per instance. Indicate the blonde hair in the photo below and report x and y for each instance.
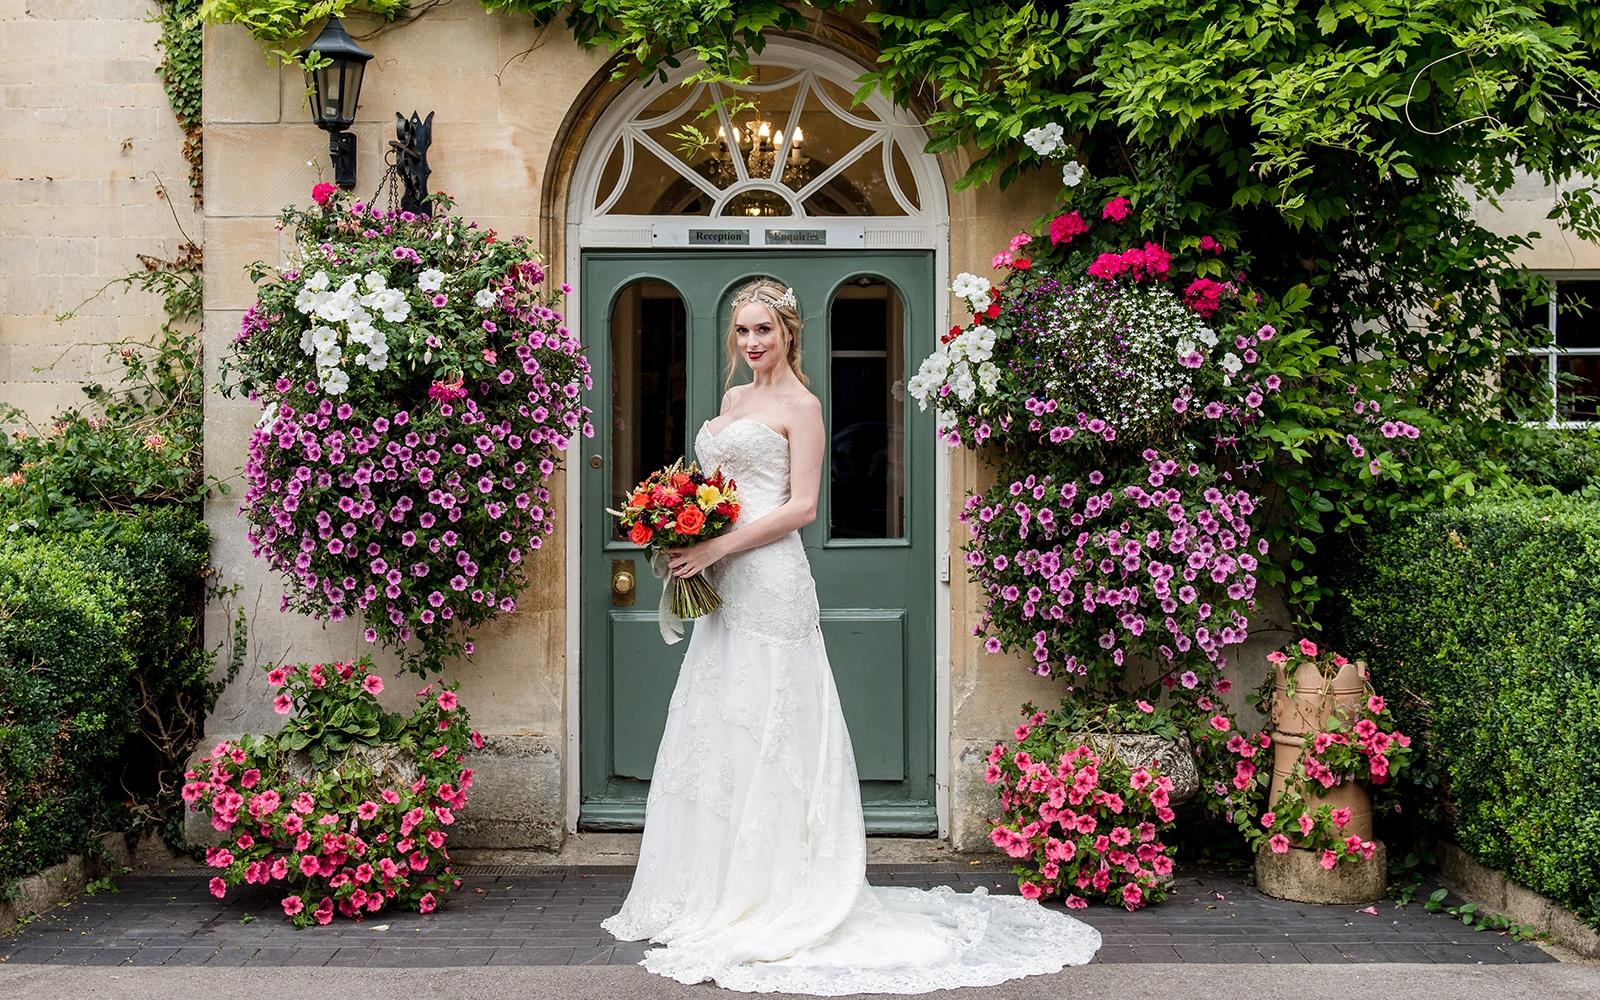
(779, 300)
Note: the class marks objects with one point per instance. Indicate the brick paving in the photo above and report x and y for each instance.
(551, 916)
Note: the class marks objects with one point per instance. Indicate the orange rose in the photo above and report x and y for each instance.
(680, 480)
(641, 533)
(690, 520)
(639, 499)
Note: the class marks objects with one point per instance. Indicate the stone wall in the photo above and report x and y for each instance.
(87, 142)
(500, 99)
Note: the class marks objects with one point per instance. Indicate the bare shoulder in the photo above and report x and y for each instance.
(732, 395)
(803, 408)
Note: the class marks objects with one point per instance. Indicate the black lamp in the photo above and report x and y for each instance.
(336, 87)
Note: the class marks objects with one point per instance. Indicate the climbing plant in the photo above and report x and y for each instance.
(180, 77)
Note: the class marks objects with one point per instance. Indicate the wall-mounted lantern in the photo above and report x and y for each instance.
(336, 87)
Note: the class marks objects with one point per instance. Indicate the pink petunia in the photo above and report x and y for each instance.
(448, 701)
(372, 684)
(427, 904)
(219, 888)
(1278, 843)
(292, 905)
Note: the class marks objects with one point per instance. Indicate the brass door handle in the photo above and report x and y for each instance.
(622, 582)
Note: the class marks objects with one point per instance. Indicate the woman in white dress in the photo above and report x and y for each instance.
(752, 870)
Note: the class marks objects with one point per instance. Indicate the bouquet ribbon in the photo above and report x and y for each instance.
(670, 624)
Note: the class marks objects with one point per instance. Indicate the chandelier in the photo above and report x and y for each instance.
(760, 144)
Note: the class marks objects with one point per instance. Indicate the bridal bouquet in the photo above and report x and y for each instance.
(674, 507)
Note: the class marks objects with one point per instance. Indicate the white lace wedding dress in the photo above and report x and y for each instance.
(752, 872)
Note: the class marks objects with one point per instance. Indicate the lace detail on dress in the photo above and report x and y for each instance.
(767, 593)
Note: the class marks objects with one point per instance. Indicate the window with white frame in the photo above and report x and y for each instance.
(1567, 365)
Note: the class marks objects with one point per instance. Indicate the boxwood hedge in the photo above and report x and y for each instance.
(1483, 624)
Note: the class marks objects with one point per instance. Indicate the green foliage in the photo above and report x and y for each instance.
(136, 443)
(66, 679)
(724, 36)
(1479, 919)
(104, 679)
(1485, 621)
(1555, 460)
(279, 24)
(180, 76)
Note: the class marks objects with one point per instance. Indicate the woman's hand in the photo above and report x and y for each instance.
(689, 561)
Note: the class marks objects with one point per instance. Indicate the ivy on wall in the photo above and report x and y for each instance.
(180, 76)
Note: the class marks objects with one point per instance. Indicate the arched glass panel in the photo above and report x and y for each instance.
(788, 127)
(649, 345)
(866, 358)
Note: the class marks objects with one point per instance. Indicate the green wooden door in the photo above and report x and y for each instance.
(654, 325)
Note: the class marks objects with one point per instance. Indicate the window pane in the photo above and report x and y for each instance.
(866, 326)
(756, 204)
(1526, 380)
(648, 351)
(1580, 386)
(1578, 314)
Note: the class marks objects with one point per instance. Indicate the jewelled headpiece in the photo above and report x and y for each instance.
(787, 299)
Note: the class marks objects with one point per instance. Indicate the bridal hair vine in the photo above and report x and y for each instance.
(787, 299)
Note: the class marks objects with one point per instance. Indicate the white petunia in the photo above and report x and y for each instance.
(269, 416)
(1046, 139)
(395, 307)
(485, 298)
(965, 284)
(324, 338)
(306, 344)
(1186, 347)
(988, 377)
(1231, 364)
(318, 282)
(430, 280)
(1072, 174)
(376, 282)
(335, 382)
(1207, 336)
(980, 302)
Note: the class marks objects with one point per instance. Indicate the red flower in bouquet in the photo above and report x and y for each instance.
(678, 506)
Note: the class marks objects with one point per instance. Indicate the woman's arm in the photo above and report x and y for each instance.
(806, 442)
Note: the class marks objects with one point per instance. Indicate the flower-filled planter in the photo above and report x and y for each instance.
(348, 808)
(1332, 737)
(420, 387)
(1083, 814)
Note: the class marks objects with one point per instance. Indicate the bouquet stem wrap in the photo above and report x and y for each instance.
(681, 599)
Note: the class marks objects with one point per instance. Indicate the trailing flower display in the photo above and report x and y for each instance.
(1080, 822)
(420, 386)
(347, 810)
(1083, 573)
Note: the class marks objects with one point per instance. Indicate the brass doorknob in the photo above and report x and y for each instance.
(622, 581)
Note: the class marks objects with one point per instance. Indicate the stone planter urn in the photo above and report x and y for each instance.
(1309, 707)
(1173, 758)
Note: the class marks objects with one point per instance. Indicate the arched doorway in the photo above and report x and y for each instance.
(668, 214)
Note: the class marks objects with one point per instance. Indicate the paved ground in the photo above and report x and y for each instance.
(551, 917)
(1095, 982)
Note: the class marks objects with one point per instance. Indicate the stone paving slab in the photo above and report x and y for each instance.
(551, 917)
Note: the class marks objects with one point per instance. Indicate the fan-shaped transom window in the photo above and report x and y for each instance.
(788, 145)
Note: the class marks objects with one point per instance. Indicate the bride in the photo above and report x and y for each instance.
(752, 871)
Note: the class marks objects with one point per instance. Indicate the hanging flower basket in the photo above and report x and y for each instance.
(420, 386)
